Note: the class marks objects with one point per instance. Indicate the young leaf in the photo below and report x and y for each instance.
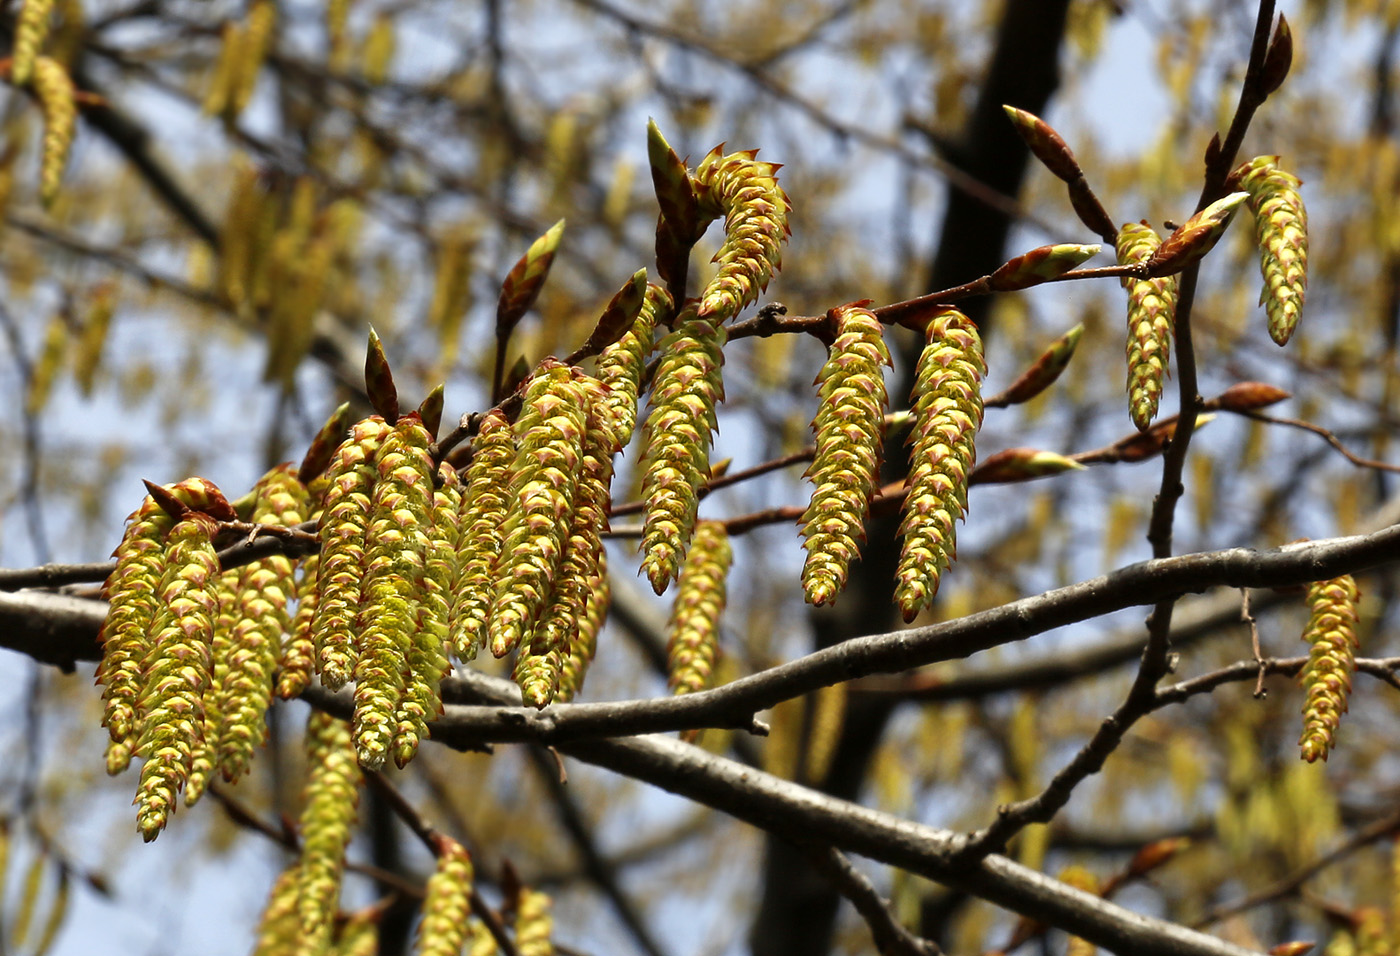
(1042, 374)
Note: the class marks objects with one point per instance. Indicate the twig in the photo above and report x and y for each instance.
(890, 937)
(1247, 616)
(1327, 436)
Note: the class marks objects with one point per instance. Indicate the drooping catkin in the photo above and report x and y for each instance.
(1151, 321)
(31, 29)
(396, 553)
(444, 928)
(1331, 632)
(575, 667)
(332, 797)
(257, 40)
(344, 522)
(264, 589)
(540, 664)
(755, 208)
(176, 670)
(483, 512)
(297, 663)
(132, 592)
(533, 924)
(549, 435)
(204, 760)
(850, 430)
(947, 413)
(622, 364)
(1281, 231)
(700, 598)
(57, 100)
(280, 928)
(685, 395)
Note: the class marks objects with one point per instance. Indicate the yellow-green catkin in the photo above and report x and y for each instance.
(850, 433)
(622, 364)
(257, 40)
(1151, 321)
(685, 396)
(359, 934)
(344, 523)
(549, 435)
(31, 29)
(264, 589)
(327, 820)
(484, 502)
(280, 928)
(947, 413)
(58, 101)
(585, 646)
(1331, 632)
(205, 760)
(444, 928)
(540, 664)
(132, 592)
(700, 598)
(533, 924)
(297, 663)
(755, 210)
(427, 656)
(1281, 231)
(388, 714)
(176, 670)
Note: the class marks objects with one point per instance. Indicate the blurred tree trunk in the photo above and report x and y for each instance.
(799, 906)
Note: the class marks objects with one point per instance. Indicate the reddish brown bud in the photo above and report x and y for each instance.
(379, 381)
(1248, 396)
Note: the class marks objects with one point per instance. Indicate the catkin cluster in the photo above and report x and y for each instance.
(1331, 632)
(1151, 318)
(947, 413)
(158, 665)
(1281, 231)
(850, 431)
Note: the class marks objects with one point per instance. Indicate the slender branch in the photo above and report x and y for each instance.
(799, 813)
(1327, 436)
(1290, 884)
(890, 937)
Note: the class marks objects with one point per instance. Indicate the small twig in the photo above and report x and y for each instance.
(1247, 616)
(891, 938)
(1327, 436)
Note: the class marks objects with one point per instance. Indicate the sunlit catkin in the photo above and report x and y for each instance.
(575, 667)
(540, 664)
(327, 820)
(176, 670)
(533, 924)
(700, 598)
(31, 29)
(57, 100)
(549, 435)
(280, 928)
(132, 592)
(427, 654)
(396, 549)
(622, 364)
(1151, 319)
(850, 431)
(344, 522)
(1281, 231)
(264, 589)
(1331, 632)
(947, 413)
(755, 208)
(483, 512)
(685, 396)
(444, 928)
